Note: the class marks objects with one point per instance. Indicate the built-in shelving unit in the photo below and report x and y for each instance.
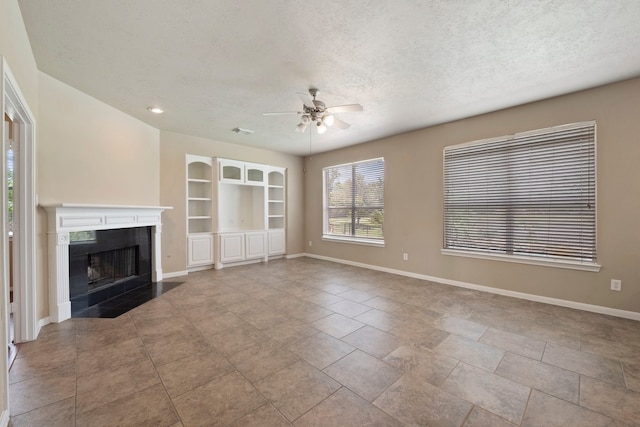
(250, 212)
(199, 212)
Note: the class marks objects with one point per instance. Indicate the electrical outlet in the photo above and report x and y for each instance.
(616, 285)
(405, 256)
(310, 243)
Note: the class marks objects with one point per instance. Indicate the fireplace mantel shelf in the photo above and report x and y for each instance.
(82, 217)
(64, 218)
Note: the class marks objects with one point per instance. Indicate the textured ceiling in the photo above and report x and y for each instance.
(214, 65)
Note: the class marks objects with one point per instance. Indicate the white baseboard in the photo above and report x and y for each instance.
(174, 274)
(521, 295)
(42, 323)
(292, 256)
(4, 418)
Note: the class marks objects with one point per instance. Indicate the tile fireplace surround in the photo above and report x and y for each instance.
(64, 218)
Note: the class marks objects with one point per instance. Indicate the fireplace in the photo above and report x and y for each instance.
(106, 263)
(81, 235)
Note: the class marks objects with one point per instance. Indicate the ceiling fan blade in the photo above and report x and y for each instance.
(345, 108)
(306, 99)
(340, 123)
(280, 113)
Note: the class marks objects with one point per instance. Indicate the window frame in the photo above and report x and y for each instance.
(550, 261)
(353, 239)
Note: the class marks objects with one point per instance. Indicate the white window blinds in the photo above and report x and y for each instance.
(354, 200)
(530, 194)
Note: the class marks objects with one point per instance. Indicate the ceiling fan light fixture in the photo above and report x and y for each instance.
(321, 128)
(301, 127)
(306, 119)
(328, 120)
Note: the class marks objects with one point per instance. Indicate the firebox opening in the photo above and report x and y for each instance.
(110, 267)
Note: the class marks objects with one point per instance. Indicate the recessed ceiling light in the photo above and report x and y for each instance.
(156, 110)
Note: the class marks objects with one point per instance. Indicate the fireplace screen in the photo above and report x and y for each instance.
(108, 267)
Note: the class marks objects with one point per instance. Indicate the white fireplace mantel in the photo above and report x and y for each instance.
(63, 218)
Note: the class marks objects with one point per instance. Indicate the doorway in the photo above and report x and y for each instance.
(10, 155)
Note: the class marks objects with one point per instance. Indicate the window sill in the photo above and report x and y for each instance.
(354, 241)
(572, 265)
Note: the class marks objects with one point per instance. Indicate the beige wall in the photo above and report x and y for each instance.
(413, 199)
(89, 152)
(173, 147)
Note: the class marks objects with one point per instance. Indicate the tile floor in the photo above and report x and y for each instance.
(311, 343)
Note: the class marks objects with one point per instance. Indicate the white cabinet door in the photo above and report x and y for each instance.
(255, 246)
(200, 249)
(255, 174)
(276, 242)
(231, 171)
(231, 247)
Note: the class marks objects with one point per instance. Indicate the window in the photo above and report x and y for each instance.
(354, 201)
(529, 195)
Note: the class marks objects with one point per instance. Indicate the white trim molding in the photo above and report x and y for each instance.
(64, 218)
(520, 295)
(173, 274)
(4, 418)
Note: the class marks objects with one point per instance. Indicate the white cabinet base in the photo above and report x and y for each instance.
(199, 250)
(276, 242)
(241, 248)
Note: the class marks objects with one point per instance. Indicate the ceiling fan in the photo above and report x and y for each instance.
(316, 112)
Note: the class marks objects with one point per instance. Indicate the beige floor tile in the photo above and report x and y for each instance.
(373, 341)
(111, 357)
(35, 393)
(25, 368)
(166, 326)
(264, 416)
(625, 351)
(349, 308)
(421, 363)
(264, 318)
(219, 402)
(379, 319)
(386, 304)
(106, 386)
(357, 295)
(233, 340)
(461, 327)
(418, 403)
(497, 395)
(584, 363)
(167, 348)
(518, 344)
(58, 414)
(612, 400)
(419, 334)
(364, 374)
(549, 411)
(307, 311)
(262, 359)
(94, 340)
(550, 379)
(337, 325)
(323, 299)
(321, 349)
(193, 371)
(219, 323)
(297, 388)
(291, 331)
(632, 375)
(481, 418)
(471, 352)
(345, 408)
(150, 407)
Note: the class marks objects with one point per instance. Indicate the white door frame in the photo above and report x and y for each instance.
(15, 106)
